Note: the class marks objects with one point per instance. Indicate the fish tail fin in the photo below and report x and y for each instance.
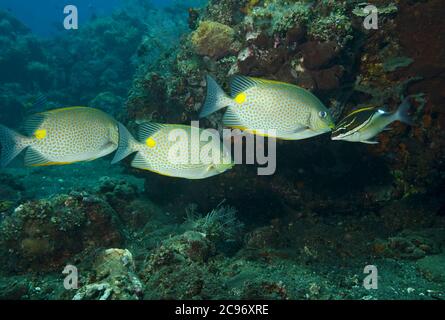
(216, 98)
(402, 113)
(12, 144)
(127, 144)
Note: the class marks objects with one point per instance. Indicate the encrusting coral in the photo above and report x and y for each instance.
(213, 39)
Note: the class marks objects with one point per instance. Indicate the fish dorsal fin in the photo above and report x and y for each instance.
(66, 109)
(240, 84)
(148, 129)
(276, 82)
(356, 119)
(364, 110)
(32, 123)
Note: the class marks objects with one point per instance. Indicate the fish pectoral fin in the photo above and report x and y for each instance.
(300, 130)
(297, 134)
(369, 142)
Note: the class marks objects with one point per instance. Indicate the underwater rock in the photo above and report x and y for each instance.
(317, 54)
(213, 39)
(331, 22)
(124, 197)
(264, 237)
(406, 245)
(46, 234)
(189, 255)
(5, 206)
(13, 288)
(328, 79)
(116, 189)
(190, 246)
(409, 214)
(108, 102)
(177, 269)
(10, 191)
(115, 278)
(432, 267)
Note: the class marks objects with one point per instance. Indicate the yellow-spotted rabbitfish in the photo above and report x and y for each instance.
(364, 124)
(158, 151)
(61, 136)
(259, 106)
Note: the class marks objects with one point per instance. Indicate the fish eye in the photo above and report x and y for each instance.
(323, 114)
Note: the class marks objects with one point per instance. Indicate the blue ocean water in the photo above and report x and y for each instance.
(45, 18)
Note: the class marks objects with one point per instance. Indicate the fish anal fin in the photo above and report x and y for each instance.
(232, 120)
(140, 162)
(33, 158)
(369, 142)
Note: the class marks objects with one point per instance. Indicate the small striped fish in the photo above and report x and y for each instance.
(362, 125)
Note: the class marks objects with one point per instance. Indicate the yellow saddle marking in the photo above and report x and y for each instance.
(150, 142)
(40, 134)
(241, 98)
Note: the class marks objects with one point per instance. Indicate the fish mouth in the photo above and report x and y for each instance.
(326, 129)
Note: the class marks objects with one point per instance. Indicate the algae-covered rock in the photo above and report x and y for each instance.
(432, 267)
(5, 205)
(108, 102)
(13, 288)
(407, 245)
(47, 234)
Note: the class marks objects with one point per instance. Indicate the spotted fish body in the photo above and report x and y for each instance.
(259, 106)
(62, 136)
(159, 152)
(364, 124)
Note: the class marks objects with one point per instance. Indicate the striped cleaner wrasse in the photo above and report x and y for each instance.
(362, 125)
